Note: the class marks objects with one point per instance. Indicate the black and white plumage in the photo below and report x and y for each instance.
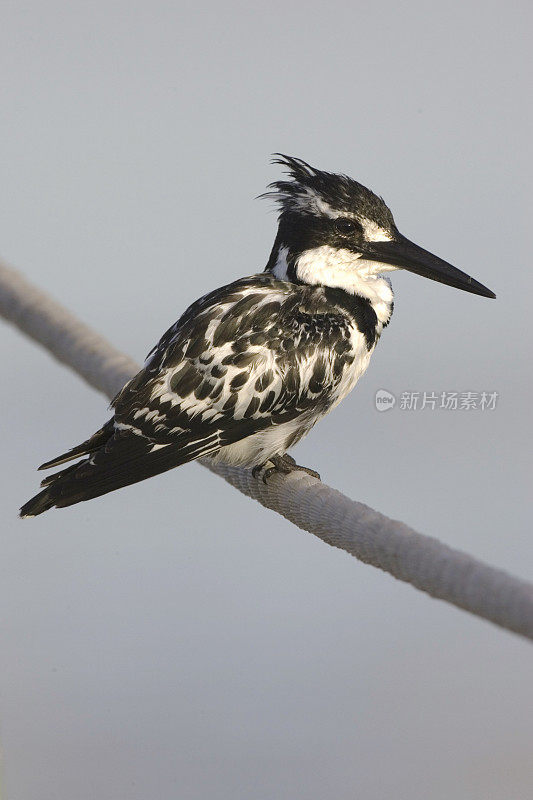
(248, 369)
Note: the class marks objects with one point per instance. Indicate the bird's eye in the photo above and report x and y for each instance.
(347, 227)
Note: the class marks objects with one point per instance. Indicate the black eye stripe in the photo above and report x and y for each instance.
(347, 227)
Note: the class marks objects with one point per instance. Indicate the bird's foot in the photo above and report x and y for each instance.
(282, 465)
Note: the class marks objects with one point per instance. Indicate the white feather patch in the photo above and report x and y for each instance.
(344, 269)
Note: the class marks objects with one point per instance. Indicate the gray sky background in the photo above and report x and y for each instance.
(174, 640)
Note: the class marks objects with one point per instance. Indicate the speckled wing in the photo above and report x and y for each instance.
(240, 359)
(253, 355)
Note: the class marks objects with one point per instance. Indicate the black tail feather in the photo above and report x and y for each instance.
(41, 502)
(126, 458)
(55, 476)
(91, 445)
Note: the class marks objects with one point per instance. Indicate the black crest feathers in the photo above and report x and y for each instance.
(309, 190)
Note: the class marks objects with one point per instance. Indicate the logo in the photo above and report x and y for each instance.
(384, 400)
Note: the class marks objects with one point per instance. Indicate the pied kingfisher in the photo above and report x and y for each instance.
(248, 369)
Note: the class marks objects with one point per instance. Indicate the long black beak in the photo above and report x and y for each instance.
(406, 254)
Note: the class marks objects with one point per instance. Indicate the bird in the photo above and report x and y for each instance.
(248, 369)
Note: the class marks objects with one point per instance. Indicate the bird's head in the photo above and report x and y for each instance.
(335, 232)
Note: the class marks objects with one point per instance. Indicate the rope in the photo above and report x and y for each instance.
(390, 545)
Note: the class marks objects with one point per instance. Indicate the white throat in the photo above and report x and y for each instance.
(342, 269)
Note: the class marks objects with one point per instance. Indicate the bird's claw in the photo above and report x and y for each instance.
(282, 465)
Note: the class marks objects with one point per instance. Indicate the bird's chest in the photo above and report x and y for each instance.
(346, 368)
(335, 348)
